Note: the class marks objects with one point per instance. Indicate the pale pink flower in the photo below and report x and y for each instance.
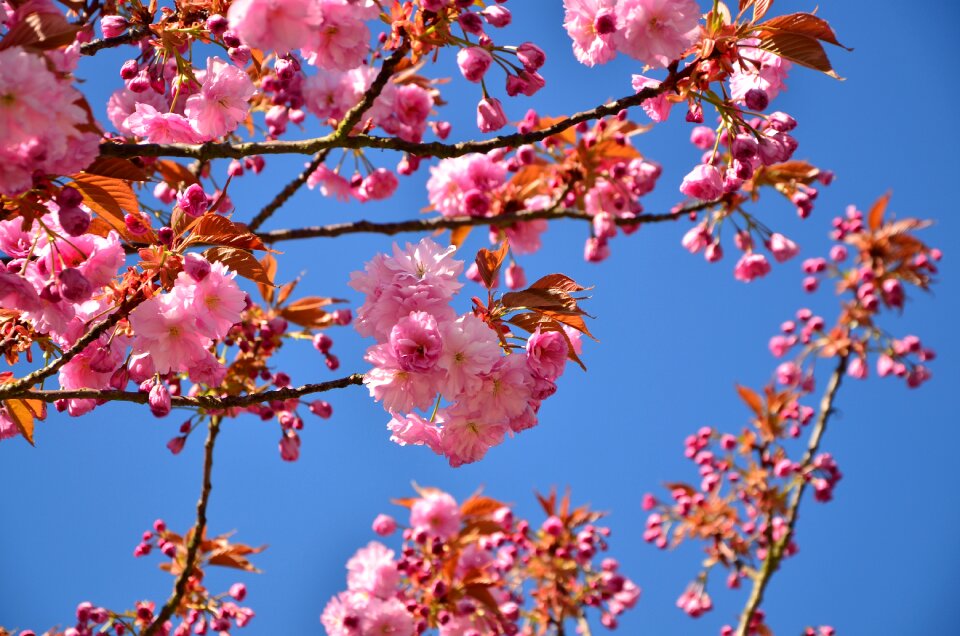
(547, 353)
(703, 182)
(275, 25)
(451, 180)
(467, 436)
(341, 40)
(215, 302)
(470, 349)
(657, 108)
(124, 102)
(524, 237)
(403, 111)
(505, 390)
(39, 118)
(160, 128)
(379, 184)
(165, 330)
(222, 102)
(437, 514)
(389, 617)
(759, 69)
(591, 25)
(750, 266)
(341, 616)
(656, 32)
(373, 569)
(330, 183)
(399, 390)
(416, 431)
(416, 342)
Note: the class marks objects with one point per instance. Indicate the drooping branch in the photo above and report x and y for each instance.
(209, 402)
(133, 34)
(776, 550)
(430, 149)
(196, 536)
(449, 223)
(16, 387)
(351, 119)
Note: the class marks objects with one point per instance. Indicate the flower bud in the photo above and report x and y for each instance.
(490, 115)
(74, 220)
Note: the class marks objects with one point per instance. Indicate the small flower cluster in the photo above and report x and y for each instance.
(427, 353)
(740, 508)
(474, 569)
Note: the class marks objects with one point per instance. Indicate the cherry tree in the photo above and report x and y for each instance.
(130, 274)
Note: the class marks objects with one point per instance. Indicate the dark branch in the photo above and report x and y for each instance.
(432, 149)
(133, 34)
(209, 402)
(449, 223)
(196, 536)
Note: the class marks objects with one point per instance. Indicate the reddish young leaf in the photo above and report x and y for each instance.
(241, 261)
(751, 398)
(489, 263)
(116, 168)
(798, 48)
(477, 506)
(557, 281)
(309, 313)
(459, 235)
(269, 264)
(802, 24)
(214, 229)
(175, 174)
(41, 32)
(22, 417)
(879, 208)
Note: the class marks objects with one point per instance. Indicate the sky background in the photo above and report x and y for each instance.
(675, 335)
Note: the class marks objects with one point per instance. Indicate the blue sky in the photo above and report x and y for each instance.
(676, 334)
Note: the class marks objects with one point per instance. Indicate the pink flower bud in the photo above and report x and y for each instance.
(703, 137)
(321, 408)
(782, 248)
(497, 16)
(490, 115)
(290, 446)
(193, 201)
(238, 591)
(74, 220)
(515, 277)
(196, 266)
(531, 56)
(553, 526)
(159, 400)
(751, 266)
(756, 99)
(474, 62)
(703, 182)
(74, 286)
(384, 525)
(113, 25)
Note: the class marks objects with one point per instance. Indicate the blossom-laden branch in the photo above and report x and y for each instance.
(451, 223)
(134, 34)
(196, 537)
(22, 385)
(351, 119)
(775, 553)
(207, 151)
(209, 402)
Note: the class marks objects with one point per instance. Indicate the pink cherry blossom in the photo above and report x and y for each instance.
(656, 32)
(416, 431)
(657, 108)
(160, 128)
(221, 104)
(591, 25)
(373, 569)
(437, 514)
(416, 342)
(275, 25)
(547, 353)
(467, 435)
(470, 349)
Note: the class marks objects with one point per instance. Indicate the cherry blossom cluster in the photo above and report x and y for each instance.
(427, 354)
(744, 508)
(473, 569)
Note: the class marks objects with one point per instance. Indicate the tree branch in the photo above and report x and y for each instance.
(209, 402)
(448, 223)
(133, 34)
(196, 537)
(432, 149)
(776, 550)
(16, 387)
(351, 119)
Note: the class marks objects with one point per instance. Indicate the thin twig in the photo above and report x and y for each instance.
(350, 119)
(448, 223)
(196, 536)
(777, 548)
(209, 402)
(133, 34)
(431, 149)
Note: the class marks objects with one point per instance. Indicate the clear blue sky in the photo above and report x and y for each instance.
(676, 334)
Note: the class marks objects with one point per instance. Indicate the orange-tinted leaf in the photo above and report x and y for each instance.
(798, 48)
(751, 398)
(116, 168)
(802, 24)
(489, 263)
(241, 261)
(309, 313)
(111, 199)
(875, 218)
(406, 503)
(482, 593)
(22, 417)
(459, 235)
(175, 174)
(533, 298)
(557, 281)
(41, 31)
(479, 506)
(214, 229)
(269, 264)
